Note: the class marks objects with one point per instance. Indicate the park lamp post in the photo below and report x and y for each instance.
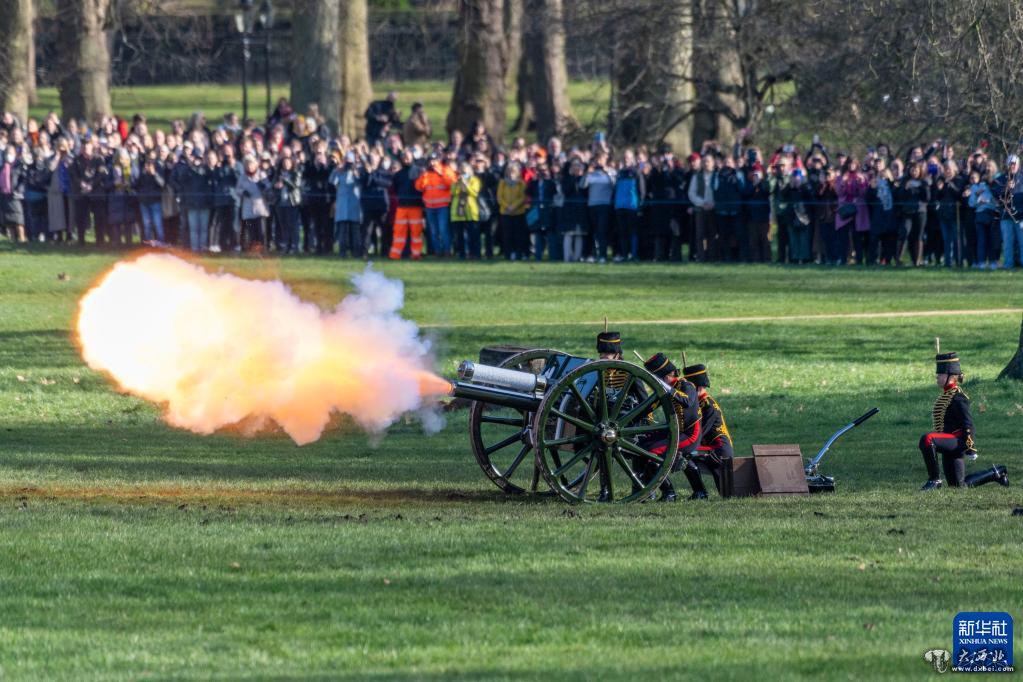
(246, 20)
(266, 22)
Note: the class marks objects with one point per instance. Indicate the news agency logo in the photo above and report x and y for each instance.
(982, 642)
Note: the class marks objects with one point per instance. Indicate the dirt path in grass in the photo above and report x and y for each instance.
(758, 318)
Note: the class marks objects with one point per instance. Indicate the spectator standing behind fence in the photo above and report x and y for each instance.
(599, 184)
(512, 204)
(728, 232)
(12, 195)
(1008, 190)
(37, 184)
(149, 186)
(408, 216)
(701, 196)
(465, 211)
(317, 192)
(985, 208)
(88, 175)
(347, 180)
(120, 202)
(540, 192)
(287, 185)
(223, 180)
(852, 214)
(192, 184)
(629, 190)
(914, 196)
(573, 212)
(949, 192)
(376, 229)
(881, 200)
(59, 201)
(756, 197)
(252, 185)
(434, 184)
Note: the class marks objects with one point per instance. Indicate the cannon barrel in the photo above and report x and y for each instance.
(495, 396)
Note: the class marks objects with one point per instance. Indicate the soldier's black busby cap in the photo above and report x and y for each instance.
(609, 342)
(947, 363)
(697, 375)
(660, 366)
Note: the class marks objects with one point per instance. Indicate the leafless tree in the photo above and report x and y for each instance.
(15, 56)
(479, 92)
(356, 87)
(84, 70)
(316, 59)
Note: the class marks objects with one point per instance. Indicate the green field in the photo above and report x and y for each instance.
(133, 550)
(164, 103)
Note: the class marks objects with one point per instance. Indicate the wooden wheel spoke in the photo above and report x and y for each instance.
(504, 443)
(575, 458)
(622, 396)
(602, 394)
(582, 401)
(574, 421)
(637, 450)
(638, 410)
(581, 493)
(623, 463)
(571, 440)
(518, 460)
(646, 428)
(506, 421)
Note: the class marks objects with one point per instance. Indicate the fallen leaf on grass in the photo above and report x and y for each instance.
(21, 378)
(76, 380)
(869, 626)
(862, 566)
(1018, 511)
(387, 581)
(235, 566)
(896, 531)
(47, 382)
(64, 277)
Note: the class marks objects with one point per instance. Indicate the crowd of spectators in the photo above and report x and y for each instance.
(293, 186)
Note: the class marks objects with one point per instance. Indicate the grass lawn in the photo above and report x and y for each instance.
(129, 549)
(164, 103)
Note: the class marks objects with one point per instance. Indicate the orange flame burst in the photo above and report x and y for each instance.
(218, 349)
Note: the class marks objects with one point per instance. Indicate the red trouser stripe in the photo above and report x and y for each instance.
(930, 437)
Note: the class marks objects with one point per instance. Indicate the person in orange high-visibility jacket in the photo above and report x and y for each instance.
(408, 217)
(435, 185)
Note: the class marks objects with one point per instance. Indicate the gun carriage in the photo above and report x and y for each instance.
(592, 430)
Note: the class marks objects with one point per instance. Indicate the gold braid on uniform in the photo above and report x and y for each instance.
(941, 408)
(615, 379)
(722, 429)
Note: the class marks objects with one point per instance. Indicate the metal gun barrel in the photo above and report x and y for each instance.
(523, 382)
(497, 396)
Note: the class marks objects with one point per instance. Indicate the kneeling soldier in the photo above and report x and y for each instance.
(953, 433)
(715, 451)
(687, 408)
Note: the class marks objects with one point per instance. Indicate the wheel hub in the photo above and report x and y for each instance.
(608, 433)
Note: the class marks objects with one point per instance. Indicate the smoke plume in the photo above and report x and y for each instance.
(218, 349)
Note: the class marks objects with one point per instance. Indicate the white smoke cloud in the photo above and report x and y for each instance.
(220, 350)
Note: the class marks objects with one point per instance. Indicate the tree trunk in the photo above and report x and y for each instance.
(33, 95)
(15, 55)
(544, 45)
(84, 72)
(316, 59)
(524, 91)
(479, 93)
(1014, 370)
(716, 64)
(514, 17)
(652, 93)
(356, 87)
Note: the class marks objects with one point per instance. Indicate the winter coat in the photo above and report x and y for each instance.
(250, 193)
(465, 199)
(348, 184)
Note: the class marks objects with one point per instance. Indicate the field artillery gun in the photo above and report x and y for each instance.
(593, 430)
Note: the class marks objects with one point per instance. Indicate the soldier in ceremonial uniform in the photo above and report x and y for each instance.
(609, 347)
(953, 433)
(687, 407)
(715, 451)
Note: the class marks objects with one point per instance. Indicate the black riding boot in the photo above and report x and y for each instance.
(931, 462)
(668, 493)
(994, 474)
(692, 473)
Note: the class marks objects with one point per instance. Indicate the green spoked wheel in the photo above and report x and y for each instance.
(502, 437)
(602, 438)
